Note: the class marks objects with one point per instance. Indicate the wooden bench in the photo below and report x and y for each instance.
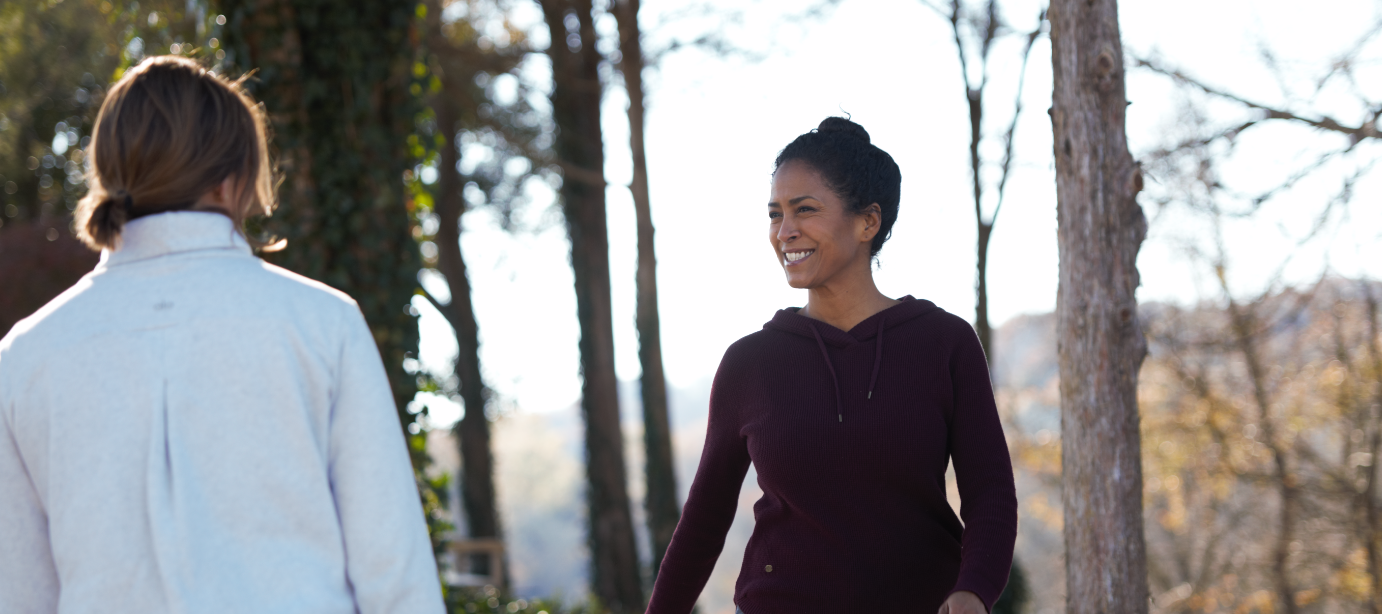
(463, 549)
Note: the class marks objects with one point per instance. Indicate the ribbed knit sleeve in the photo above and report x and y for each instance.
(983, 473)
(710, 506)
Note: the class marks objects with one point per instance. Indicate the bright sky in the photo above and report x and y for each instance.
(715, 125)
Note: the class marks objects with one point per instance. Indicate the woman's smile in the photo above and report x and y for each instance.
(794, 257)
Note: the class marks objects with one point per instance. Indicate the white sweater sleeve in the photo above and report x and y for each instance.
(389, 557)
(28, 579)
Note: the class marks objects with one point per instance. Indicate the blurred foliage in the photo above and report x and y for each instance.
(466, 110)
(488, 600)
(54, 63)
(1015, 595)
(56, 60)
(1211, 492)
(473, 65)
(470, 63)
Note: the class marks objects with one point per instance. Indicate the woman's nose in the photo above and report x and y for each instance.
(787, 230)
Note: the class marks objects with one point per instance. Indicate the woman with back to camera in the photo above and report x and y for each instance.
(849, 408)
(188, 428)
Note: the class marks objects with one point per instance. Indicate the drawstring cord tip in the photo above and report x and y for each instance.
(842, 417)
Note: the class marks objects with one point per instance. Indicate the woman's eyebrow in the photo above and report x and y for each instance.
(794, 201)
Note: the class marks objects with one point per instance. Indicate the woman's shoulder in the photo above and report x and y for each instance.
(53, 321)
(938, 329)
(748, 347)
(305, 288)
(748, 353)
(924, 316)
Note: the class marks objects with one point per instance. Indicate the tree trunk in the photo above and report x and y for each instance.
(341, 122)
(1374, 522)
(1101, 345)
(1244, 326)
(981, 292)
(983, 227)
(472, 431)
(661, 502)
(576, 95)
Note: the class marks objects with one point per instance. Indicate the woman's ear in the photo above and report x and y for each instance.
(228, 189)
(873, 220)
(232, 195)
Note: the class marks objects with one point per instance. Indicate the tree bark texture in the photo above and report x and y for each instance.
(1101, 345)
(576, 95)
(473, 430)
(661, 503)
(335, 84)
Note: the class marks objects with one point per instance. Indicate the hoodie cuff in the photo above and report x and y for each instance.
(963, 587)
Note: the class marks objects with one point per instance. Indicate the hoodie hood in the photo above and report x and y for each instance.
(874, 327)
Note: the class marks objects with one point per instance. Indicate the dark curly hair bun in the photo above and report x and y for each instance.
(860, 173)
(842, 125)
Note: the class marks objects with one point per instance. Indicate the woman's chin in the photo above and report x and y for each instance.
(800, 282)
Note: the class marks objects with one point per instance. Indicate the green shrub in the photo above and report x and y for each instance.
(1014, 597)
(488, 600)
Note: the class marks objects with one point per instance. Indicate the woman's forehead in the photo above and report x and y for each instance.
(792, 183)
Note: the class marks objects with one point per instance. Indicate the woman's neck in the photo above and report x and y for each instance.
(846, 303)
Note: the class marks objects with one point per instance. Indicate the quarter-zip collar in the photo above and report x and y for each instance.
(172, 233)
(790, 320)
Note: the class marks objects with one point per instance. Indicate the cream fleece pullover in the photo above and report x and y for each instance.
(190, 429)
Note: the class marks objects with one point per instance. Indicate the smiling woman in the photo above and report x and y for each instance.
(833, 204)
(854, 515)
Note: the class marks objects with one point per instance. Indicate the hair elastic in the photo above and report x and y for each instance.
(122, 200)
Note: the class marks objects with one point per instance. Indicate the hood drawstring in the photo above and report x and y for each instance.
(873, 379)
(839, 404)
(877, 357)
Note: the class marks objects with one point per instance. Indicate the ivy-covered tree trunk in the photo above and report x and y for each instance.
(661, 502)
(576, 96)
(1101, 346)
(336, 82)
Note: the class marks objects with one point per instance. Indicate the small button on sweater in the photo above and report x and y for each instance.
(851, 433)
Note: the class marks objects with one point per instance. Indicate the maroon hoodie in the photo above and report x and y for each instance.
(850, 433)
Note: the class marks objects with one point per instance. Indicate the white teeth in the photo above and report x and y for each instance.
(795, 256)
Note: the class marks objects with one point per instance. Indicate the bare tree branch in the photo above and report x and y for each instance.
(1261, 198)
(444, 310)
(1230, 133)
(714, 41)
(1344, 63)
(1343, 197)
(935, 7)
(1356, 133)
(1006, 164)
